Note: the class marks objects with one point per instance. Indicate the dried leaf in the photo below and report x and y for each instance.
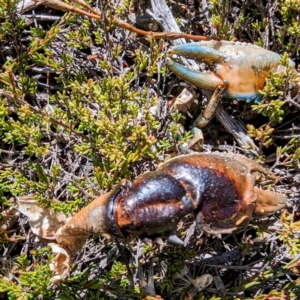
(43, 221)
(61, 264)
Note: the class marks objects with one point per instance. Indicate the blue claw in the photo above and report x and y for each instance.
(199, 52)
(238, 67)
(207, 80)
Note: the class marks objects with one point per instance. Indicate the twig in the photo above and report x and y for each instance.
(233, 267)
(235, 128)
(57, 4)
(293, 102)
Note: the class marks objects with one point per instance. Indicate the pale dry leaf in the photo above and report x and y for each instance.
(69, 233)
(44, 222)
(61, 264)
(72, 236)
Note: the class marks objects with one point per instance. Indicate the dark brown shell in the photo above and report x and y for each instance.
(152, 205)
(222, 186)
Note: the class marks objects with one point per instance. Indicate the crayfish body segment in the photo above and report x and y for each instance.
(218, 189)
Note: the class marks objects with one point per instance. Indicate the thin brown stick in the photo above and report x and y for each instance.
(57, 4)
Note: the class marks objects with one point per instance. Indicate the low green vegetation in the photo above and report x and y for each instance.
(84, 104)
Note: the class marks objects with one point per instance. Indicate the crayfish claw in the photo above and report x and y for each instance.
(218, 189)
(205, 80)
(240, 67)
